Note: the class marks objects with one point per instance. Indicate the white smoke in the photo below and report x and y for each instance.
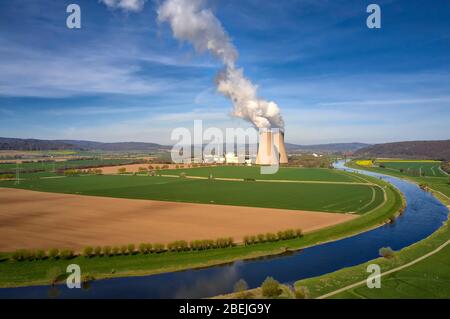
(191, 21)
(126, 5)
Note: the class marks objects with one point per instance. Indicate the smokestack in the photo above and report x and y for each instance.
(271, 145)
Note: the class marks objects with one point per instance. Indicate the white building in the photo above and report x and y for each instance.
(231, 158)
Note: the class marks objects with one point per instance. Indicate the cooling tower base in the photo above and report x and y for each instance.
(271, 149)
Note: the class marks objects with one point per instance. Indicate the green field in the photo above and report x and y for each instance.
(253, 172)
(428, 279)
(440, 185)
(412, 168)
(309, 196)
(53, 165)
(40, 272)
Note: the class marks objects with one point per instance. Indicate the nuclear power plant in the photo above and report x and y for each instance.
(271, 149)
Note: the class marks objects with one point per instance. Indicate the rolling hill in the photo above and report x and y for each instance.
(439, 150)
(44, 145)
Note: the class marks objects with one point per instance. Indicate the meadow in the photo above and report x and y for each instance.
(413, 168)
(440, 186)
(254, 172)
(324, 197)
(428, 279)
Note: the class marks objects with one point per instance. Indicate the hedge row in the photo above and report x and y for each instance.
(76, 172)
(271, 237)
(40, 254)
(146, 248)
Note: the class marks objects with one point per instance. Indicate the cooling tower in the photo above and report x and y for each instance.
(271, 145)
(278, 137)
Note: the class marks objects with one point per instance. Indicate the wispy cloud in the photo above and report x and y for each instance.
(126, 5)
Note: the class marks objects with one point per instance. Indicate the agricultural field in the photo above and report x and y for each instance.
(37, 272)
(254, 172)
(441, 185)
(50, 166)
(413, 168)
(326, 197)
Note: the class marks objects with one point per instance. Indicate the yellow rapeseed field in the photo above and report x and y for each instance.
(364, 162)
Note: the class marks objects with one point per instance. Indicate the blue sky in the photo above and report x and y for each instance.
(122, 77)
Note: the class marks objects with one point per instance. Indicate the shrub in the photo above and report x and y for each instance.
(253, 239)
(107, 251)
(40, 254)
(122, 170)
(224, 242)
(386, 252)
(178, 245)
(158, 247)
(143, 248)
(298, 232)
(150, 167)
(271, 288)
(20, 255)
(143, 170)
(131, 249)
(67, 253)
(193, 244)
(290, 233)
(116, 250)
(98, 251)
(246, 240)
(87, 251)
(240, 288)
(53, 253)
(261, 238)
(123, 250)
(149, 248)
(72, 172)
(280, 235)
(271, 237)
(301, 293)
(30, 255)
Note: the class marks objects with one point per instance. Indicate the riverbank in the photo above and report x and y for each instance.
(323, 285)
(341, 283)
(15, 274)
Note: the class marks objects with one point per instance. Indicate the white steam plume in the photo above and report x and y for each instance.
(191, 21)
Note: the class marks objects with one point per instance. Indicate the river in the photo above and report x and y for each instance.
(423, 215)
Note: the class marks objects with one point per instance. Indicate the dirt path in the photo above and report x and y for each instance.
(362, 282)
(30, 219)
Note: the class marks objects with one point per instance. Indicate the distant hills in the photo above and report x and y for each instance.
(415, 149)
(326, 148)
(20, 144)
(46, 145)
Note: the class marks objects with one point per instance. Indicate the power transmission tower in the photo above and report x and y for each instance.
(17, 182)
